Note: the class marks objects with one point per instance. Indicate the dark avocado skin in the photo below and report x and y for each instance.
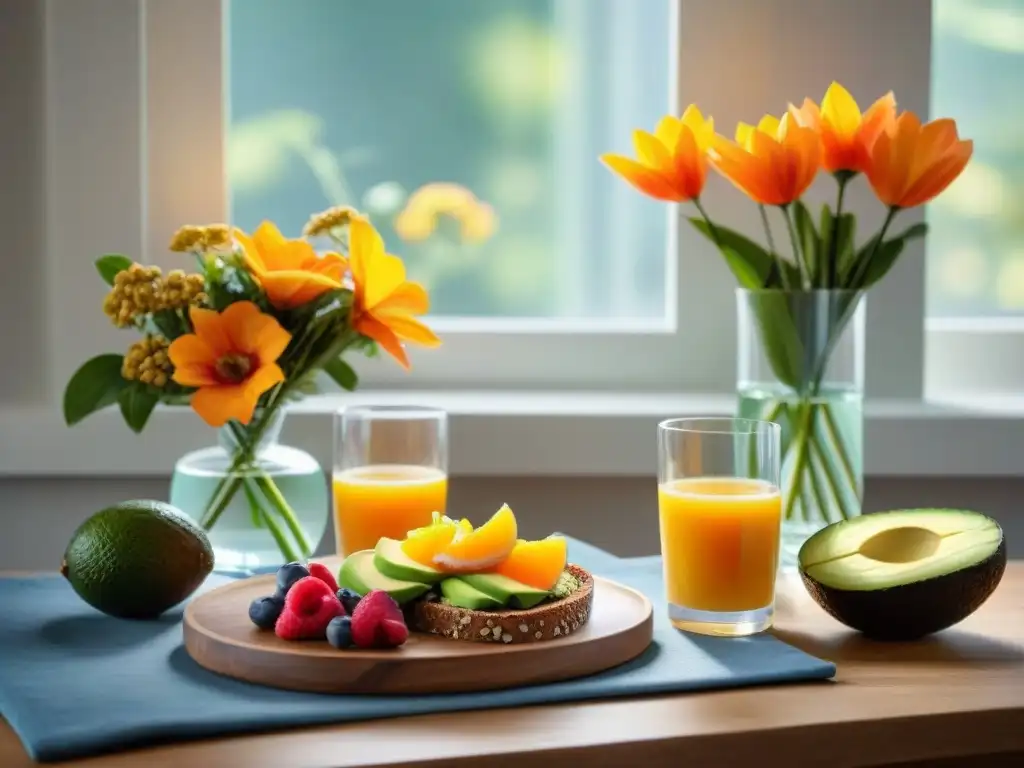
(912, 611)
(137, 559)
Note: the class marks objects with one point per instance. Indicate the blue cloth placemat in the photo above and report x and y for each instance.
(74, 682)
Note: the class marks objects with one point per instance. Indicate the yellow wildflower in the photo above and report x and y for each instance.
(322, 223)
(201, 239)
(178, 290)
(216, 237)
(134, 294)
(418, 220)
(147, 361)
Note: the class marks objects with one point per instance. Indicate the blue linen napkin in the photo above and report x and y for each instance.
(74, 682)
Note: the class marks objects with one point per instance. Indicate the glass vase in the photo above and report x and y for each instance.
(801, 365)
(261, 503)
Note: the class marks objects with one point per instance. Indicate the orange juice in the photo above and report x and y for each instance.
(384, 500)
(720, 542)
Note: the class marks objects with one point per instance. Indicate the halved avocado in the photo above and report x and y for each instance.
(904, 574)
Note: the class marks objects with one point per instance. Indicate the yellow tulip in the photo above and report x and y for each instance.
(847, 136)
(773, 163)
(671, 163)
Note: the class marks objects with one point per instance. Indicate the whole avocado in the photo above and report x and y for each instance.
(137, 559)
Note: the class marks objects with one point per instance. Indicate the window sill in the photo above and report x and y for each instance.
(515, 434)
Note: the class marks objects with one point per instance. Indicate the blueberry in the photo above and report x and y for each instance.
(288, 575)
(349, 599)
(339, 632)
(264, 611)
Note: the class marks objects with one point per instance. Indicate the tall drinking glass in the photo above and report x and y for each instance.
(390, 472)
(721, 512)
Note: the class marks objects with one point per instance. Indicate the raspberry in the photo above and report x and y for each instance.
(323, 573)
(308, 610)
(377, 622)
(306, 592)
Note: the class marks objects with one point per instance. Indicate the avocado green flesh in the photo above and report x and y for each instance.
(508, 591)
(137, 559)
(391, 561)
(891, 549)
(359, 573)
(460, 594)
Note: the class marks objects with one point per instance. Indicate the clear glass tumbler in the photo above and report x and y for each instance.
(390, 472)
(720, 513)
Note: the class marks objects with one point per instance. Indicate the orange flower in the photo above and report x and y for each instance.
(384, 301)
(846, 136)
(913, 163)
(290, 271)
(774, 163)
(673, 162)
(231, 358)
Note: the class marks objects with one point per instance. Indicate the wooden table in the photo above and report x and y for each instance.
(936, 702)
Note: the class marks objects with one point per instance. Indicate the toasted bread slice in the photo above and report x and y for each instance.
(547, 621)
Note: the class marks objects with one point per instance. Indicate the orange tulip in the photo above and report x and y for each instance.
(672, 163)
(290, 271)
(773, 163)
(846, 136)
(385, 302)
(231, 358)
(913, 163)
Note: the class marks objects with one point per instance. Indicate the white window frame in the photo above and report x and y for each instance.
(164, 87)
(134, 147)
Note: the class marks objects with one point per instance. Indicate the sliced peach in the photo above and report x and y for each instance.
(473, 551)
(535, 563)
(423, 544)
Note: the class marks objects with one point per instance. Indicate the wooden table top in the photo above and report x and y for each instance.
(959, 693)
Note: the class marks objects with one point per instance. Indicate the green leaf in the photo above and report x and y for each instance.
(881, 262)
(779, 336)
(826, 227)
(810, 244)
(137, 403)
(752, 265)
(342, 373)
(108, 266)
(95, 385)
(846, 232)
(878, 263)
(914, 231)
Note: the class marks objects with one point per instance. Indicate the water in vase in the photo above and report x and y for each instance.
(242, 539)
(822, 449)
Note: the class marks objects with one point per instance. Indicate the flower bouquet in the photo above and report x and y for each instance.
(801, 294)
(243, 335)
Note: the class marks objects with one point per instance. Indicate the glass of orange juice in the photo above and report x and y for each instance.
(390, 472)
(720, 513)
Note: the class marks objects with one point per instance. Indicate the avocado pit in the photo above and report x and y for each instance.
(901, 545)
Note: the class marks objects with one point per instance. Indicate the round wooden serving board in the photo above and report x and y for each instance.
(220, 637)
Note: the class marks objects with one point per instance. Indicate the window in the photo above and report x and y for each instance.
(198, 110)
(469, 131)
(977, 228)
(976, 243)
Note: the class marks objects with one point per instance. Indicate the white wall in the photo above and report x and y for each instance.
(22, 311)
(37, 516)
